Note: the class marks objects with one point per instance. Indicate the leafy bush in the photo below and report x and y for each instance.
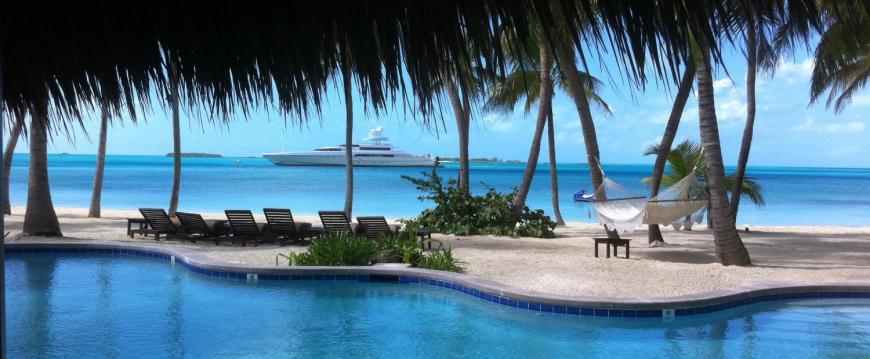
(459, 212)
(342, 249)
(441, 259)
(346, 249)
(405, 246)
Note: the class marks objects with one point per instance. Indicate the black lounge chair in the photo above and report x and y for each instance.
(280, 224)
(336, 222)
(194, 227)
(243, 227)
(373, 227)
(158, 223)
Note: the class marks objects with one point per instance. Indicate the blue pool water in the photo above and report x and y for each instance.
(88, 305)
(811, 196)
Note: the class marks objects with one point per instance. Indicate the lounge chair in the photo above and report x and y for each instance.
(243, 227)
(194, 227)
(336, 222)
(158, 223)
(374, 227)
(282, 226)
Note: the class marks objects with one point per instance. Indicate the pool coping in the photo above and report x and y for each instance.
(678, 306)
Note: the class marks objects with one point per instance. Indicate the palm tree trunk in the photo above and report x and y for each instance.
(348, 139)
(176, 144)
(655, 233)
(543, 107)
(14, 133)
(581, 101)
(729, 247)
(587, 125)
(97, 193)
(462, 120)
(554, 175)
(746, 143)
(40, 218)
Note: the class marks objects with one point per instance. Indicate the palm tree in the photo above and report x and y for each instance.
(554, 175)
(40, 218)
(544, 112)
(842, 57)
(176, 140)
(687, 158)
(14, 134)
(524, 81)
(348, 136)
(729, 247)
(760, 55)
(662, 149)
(462, 111)
(565, 55)
(94, 211)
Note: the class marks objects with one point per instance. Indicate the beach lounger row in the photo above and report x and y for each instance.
(240, 226)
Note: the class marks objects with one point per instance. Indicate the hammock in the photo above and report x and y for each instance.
(623, 209)
(680, 200)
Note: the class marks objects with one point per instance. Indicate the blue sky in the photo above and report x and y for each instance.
(788, 132)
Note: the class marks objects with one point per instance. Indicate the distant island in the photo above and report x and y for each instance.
(479, 160)
(196, 155)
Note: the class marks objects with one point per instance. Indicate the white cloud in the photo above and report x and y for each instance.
(722, 84)
(861, 100)
(499, 123)
(810, 125)
(793, 72)
(731, 109)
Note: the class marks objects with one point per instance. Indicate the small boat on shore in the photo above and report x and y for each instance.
(582, 196)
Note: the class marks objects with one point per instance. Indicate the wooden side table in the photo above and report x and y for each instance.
(141, 222)
(616, 243)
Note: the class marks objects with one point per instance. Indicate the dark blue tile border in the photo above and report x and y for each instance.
(491, 297)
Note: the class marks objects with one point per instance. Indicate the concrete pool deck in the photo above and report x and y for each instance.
(824, 258)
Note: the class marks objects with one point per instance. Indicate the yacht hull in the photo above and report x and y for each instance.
(339, 159)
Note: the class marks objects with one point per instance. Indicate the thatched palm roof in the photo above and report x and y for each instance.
(230, 55)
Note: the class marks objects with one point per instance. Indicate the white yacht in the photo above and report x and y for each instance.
(375, 152)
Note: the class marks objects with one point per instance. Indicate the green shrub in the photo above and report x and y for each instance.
(343, 249)
(404, 244)
(459, 212)
(441, 259)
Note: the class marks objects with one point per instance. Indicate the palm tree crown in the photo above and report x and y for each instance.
(687, 157)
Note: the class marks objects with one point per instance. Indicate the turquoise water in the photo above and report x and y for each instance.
(90, 306)
(811, 196)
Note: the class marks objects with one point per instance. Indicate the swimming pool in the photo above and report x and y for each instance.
(92, 305)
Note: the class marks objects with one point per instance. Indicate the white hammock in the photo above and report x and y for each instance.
(624, 210)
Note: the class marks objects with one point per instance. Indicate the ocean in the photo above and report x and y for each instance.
(794, 195)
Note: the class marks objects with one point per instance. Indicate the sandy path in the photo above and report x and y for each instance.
(566, 265)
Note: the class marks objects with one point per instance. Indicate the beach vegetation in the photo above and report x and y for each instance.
(457, 211)
(528, 80)
(662, 149)
(176, 140)
(14, 134)
(347, 249)
(337, 249)
(687, 157)
(97, 192)
(440, 259)
(842, 58)
(40, 219)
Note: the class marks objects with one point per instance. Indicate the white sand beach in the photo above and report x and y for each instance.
(566, 265)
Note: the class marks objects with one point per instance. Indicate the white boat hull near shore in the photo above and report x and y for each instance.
(339, 159)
